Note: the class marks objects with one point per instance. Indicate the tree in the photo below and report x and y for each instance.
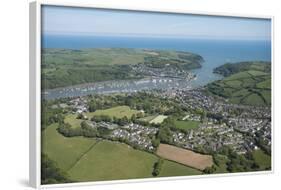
(123, 121)
(139, 115)
(102, 131)
(66, 130)
(169, 122)
(50, 173)
(164, 135)
(155, 142)
(92, 106)
(133, 118)
(99, 118)
(203, 116)
(157, 167)
(209, 170)
(80, 116)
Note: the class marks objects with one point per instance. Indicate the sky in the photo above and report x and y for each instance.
(95, 22)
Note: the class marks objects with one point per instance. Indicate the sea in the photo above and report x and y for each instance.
(215, 52)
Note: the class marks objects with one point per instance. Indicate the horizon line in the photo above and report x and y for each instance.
(139, 35)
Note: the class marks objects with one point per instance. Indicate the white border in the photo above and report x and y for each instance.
(35, 91)
(35, 95)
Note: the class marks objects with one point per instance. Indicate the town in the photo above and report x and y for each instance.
(221, 124)
(168, 70)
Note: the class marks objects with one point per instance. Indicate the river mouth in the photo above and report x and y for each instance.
(215, 53)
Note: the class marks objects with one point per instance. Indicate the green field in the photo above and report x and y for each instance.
(186, 124)
(118, 112)
(245, 83)
(72, 120)
(263, 160)
(148, 118)
(266, 95)
(247, 87)
(66, 67)
(119, 161)
(85, 159)
(265, 84)
(170, 168)
(111, 160)
(232, 68)
(65, 151)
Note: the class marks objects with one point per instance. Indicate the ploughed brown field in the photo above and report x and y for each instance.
(183, 156)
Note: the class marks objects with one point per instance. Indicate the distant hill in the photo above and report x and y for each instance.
(66, 67)
(245, 83)
(232, 68)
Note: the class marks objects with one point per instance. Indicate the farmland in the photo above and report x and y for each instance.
(184, 156)
(118, 112)
(170, 168)
(109, 161)
(128, 101)
(250, 87)
(66, 67)
(232, 68)
(119, 148)
(153, 133)
(81, 158)
(64, 151)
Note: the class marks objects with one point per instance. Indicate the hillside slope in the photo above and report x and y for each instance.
(246, 83)
(66, 67)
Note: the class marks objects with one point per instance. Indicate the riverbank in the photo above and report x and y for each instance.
(120, 86)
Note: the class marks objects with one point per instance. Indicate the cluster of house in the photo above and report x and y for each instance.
(133, 134)
(79, 104)
(253, 126)
(239, 122)
(192, 117)
(166, 71)
(211, 137)
(197, 99)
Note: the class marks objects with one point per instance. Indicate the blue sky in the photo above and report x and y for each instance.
(82, 21)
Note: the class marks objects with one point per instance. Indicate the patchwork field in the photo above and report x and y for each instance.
(247, 87)
(86, 159)
(118, 112)
(183, 156)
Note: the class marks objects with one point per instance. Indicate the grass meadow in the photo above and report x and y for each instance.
(118, 112)
(248, 87)
(88, 159)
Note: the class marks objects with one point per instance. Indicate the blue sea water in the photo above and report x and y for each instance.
(215, 52)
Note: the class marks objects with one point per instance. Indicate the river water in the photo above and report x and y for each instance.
(214, 52)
